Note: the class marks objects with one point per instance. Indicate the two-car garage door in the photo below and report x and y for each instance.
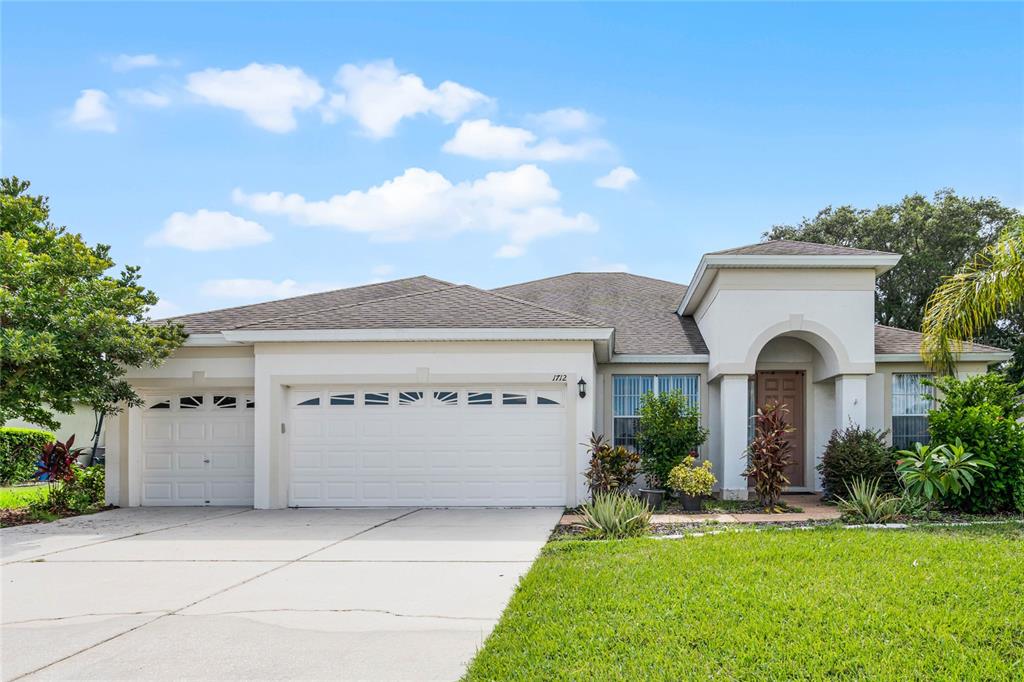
(473, 446)
(364, 446)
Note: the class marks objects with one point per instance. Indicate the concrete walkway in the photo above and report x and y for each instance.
(203, 593)
(813, 510)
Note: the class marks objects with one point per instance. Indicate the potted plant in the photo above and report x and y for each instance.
(693, 483)
(669, 428)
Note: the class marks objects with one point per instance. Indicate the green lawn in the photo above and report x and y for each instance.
(816, 604)
(21, 496)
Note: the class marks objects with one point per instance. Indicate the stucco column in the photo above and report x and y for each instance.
(264, 437)
(732, 392)
(851, 400)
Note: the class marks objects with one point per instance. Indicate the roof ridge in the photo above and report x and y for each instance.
(590, 272)
(299, 297)
(541, 307)
(733, 249)
(353, 305)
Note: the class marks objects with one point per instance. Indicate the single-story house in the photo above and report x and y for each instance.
(422, 392)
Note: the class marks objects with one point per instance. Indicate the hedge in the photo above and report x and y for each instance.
(19, 452)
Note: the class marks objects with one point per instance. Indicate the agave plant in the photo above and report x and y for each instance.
(865, 504)
(615, 516)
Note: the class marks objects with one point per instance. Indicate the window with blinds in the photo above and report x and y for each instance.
(627, 389)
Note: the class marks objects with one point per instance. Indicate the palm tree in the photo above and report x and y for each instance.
(973, 298)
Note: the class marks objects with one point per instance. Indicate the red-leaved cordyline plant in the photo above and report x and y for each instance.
(57, 467)
(769, 454)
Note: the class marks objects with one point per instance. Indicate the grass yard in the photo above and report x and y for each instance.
(830, 603)
(21, 496)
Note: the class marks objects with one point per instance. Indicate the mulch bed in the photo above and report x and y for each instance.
(22, 516)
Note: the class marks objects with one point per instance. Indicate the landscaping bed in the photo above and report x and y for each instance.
(934, 602)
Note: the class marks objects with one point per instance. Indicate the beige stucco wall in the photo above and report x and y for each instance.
(743, 309)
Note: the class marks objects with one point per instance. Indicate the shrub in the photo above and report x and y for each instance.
(769, 455)
(692, 480)
(19, 452)
(668, 431)
(856, 452)
(866, 503)
(982, 411)
(933, 472)
(612, 516)
(613, 468)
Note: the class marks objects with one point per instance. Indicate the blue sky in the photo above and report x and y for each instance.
(465, 141)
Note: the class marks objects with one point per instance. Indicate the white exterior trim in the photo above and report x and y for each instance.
(698, 285)
(987, 356)
(631, 358)
(208, 340)
(419, 334)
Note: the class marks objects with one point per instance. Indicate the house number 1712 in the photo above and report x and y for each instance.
(558, 377)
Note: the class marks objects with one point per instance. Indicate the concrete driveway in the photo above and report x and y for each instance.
(204, 593)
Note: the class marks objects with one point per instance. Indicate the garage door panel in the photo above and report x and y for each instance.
(421, 450)
(201, 455)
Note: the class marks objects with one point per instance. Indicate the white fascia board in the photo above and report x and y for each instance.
(878, 262)
(635, 358)
(986, 356)
(418, 334)
(207, 340)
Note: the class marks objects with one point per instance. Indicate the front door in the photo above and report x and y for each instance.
(787, 389)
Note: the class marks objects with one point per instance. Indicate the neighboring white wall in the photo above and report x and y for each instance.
(81, 423)
(833, 310)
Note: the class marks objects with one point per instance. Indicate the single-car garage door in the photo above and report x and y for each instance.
(197, 449)
(472, 446)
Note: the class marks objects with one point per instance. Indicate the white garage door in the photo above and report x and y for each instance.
(197, 449)
(478, 446)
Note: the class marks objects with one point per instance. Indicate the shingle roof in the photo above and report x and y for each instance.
(786, 247)
(641, 309)
(889, 340)
(461, 306)
(232, 318)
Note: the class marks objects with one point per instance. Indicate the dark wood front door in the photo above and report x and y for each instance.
(787, 388)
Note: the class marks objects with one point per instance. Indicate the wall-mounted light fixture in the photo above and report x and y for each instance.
(583, 387)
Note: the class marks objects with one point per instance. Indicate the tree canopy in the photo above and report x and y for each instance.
(68, 328)
(936, 237)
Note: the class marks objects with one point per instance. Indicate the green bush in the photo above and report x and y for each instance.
(669, 431)
(19, 452)
(614, 516)
(82, 492)
(857, 452)
(982, 411)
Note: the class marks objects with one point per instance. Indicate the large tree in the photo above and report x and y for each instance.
(68, 327)
(936, 236)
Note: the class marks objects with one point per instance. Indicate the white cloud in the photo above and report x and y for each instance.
(520, 204)
(379, 96)
(163, 309)
(129, 62)
(620, 177)
(92, 112)
(509, 251)
(208, 231)
(481, 139)
(268, 94)
(383, 270)
(145, 98)
(262, 289)
(564, 120)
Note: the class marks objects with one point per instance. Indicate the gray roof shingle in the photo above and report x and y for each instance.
(231, 318)
(786, 247)
(893, 340)
(461, 306)
(641, 309)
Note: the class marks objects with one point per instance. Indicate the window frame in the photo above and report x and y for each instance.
(656, 389)
(923, 438)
